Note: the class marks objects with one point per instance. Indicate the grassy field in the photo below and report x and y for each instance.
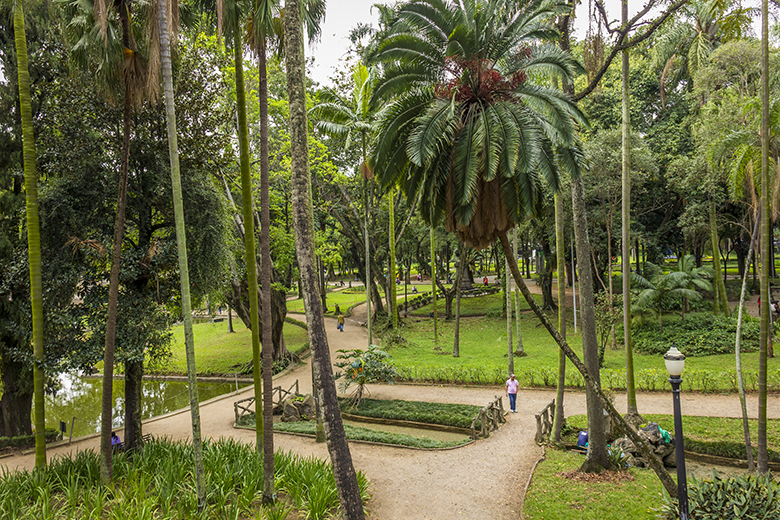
(483, 349)
(219, 352)
(552, 496)
(348, 297)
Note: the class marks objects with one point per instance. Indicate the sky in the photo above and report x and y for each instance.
(342, 15)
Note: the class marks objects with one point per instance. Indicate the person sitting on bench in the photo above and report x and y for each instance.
(116, 443)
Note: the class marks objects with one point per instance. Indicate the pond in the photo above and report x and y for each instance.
(80, 397)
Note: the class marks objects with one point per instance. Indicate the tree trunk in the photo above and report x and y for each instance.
(33, 231)
(369, 282)
(391, 294)
(250, 248)
(265, 283)
(508, 293)
(520, 350)
(181, 244)
(433, 289)
(458, 289)
(560, 257)
(16, 402)
(766, 244)
(595, 387)
(626, 225)
(107, 401)
(720, 287)
(303, 220)
(738, 355)
(134, 376)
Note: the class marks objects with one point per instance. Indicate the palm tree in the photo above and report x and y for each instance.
(355, 119)
(471, 132)
(33, 230)
(696, 276)
(181, 240)
(688, 44)
(658, 290)
(766, 241)
(112, 55)
(303, 222)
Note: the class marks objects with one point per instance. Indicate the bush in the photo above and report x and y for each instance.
(740, 497)
(698, 335)
(27, 441)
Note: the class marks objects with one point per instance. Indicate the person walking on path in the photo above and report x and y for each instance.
(341, 322)
(512, 385)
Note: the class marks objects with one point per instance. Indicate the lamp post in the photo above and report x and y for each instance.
(675, 363)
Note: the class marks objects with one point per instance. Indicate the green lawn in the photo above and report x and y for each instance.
(551, 496)
(219, 352)
(483, 358)
(348, 297)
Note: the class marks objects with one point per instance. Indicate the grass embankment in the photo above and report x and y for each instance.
(219, 352)
(708, 435)
(553, 495)
(159, 484)
(445, 414)
(483, 346)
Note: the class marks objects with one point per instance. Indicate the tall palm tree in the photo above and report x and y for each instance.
(766, 241)
(471, 132)
(355, 118)
(687, 45)
(165, 20)
(303, 222)
(33, 229)
(111, 53)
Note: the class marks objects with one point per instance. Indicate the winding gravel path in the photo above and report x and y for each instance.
(481, 481)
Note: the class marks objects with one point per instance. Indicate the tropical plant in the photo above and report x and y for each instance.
(470, 130)
(112, 54)
(686, 46)
(362, 367)
(303, 223)
(33, 229)
(165, 20)
(658, 292)
(355, 119)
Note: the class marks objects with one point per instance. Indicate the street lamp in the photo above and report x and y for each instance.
(675, 363)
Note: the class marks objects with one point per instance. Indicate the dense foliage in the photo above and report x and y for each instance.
(699, 334)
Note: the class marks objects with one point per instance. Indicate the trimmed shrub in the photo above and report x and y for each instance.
(698, 335)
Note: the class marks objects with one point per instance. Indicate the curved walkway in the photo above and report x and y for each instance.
(484, 480)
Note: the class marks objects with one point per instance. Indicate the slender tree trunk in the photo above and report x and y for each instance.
(561, 259)
(303, 220)
(766, 243)
(107, 401)
(669, 485)
(597, 457)
(509, 344)
(181, 244)
(368, 256)
(250, 247)
(433, 288)
(520, 350)
(33, 231)
(626, 233)
(719, 286)
(738, 354)
(265, 283)
(391, 294)
(458, 281)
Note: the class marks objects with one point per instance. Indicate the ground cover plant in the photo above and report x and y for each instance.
(357, 433)
(219, 352)
(721, 436)
(159, 484)
(447, 414)
(483, 360)
(620, 495)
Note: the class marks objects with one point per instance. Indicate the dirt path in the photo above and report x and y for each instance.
(484, 480)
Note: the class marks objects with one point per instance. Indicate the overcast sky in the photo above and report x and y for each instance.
(343, 15)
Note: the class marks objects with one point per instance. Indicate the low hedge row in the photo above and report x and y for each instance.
(27, 441)
(702, 380)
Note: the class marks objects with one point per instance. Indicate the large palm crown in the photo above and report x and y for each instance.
(473, 122)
